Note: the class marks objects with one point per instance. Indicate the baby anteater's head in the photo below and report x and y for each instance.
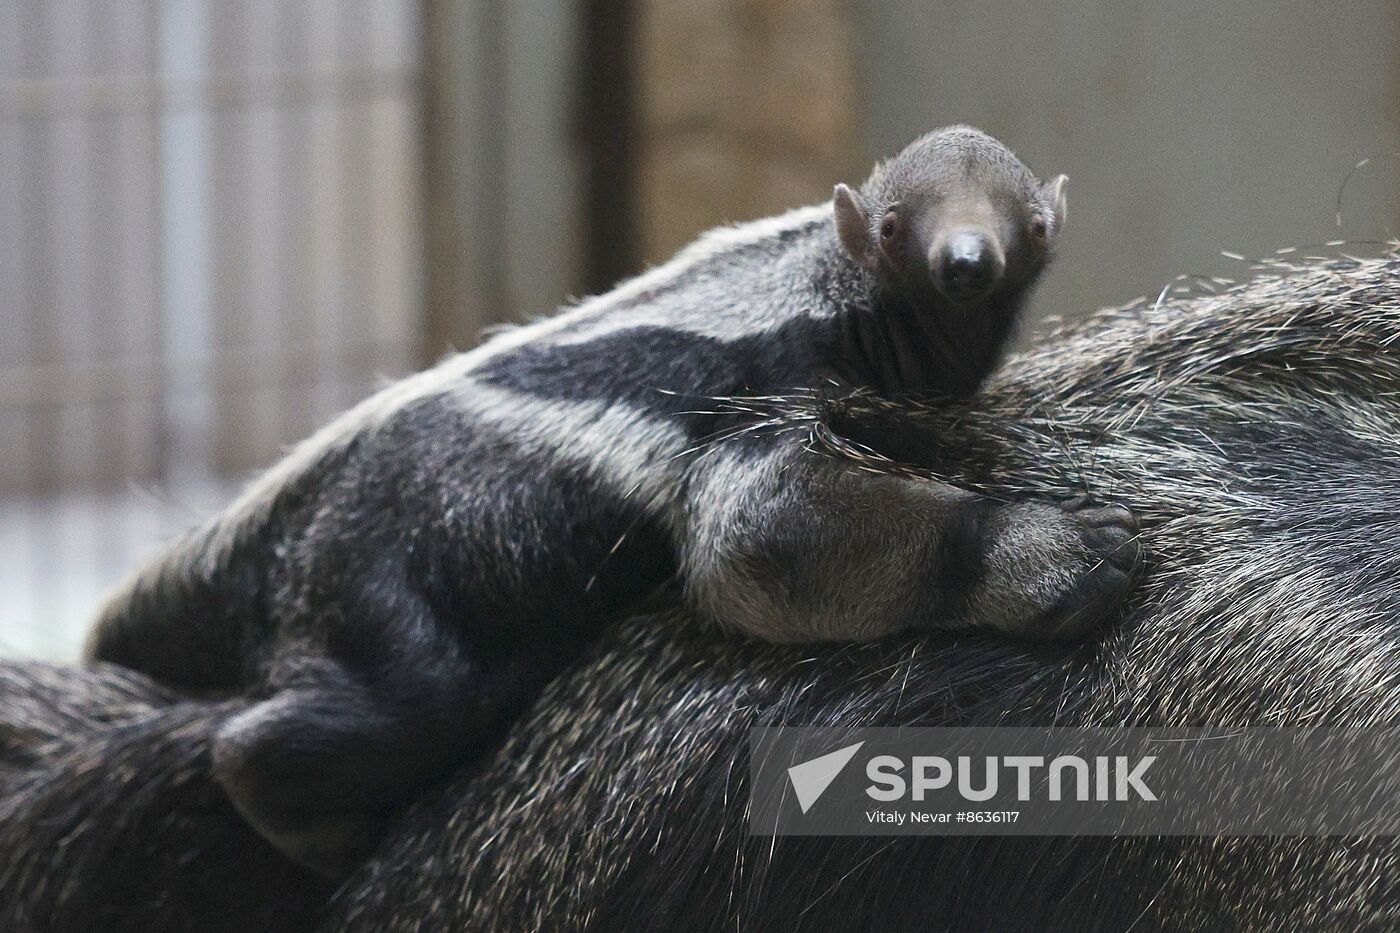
(956, 212)
(954, 231)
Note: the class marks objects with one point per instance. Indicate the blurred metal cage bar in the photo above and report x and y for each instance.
(507, 161)
(209, 243)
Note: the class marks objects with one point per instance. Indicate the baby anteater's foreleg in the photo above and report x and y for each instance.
(793, 544)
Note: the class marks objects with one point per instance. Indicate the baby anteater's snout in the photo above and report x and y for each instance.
(967, 265)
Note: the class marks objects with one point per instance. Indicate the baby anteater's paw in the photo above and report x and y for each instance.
(1111, 556)
(1055, 571)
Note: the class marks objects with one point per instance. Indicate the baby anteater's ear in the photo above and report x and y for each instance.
(1055, 194)
(853, 225)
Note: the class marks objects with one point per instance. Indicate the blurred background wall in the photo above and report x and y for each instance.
(222, 221)
(210, 228)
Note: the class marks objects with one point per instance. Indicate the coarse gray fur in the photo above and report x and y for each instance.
(404, 582)
(1258, 431)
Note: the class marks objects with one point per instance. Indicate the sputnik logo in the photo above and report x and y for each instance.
(811, 778)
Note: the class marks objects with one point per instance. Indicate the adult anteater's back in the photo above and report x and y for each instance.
(1257, 432)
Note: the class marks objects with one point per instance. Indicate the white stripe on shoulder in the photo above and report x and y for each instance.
(629, 452)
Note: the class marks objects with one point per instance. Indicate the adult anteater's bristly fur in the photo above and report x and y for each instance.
(1257, 432)
(109, 819)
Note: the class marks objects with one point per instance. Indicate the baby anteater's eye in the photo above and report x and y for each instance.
(889, 226)
(1038, 227)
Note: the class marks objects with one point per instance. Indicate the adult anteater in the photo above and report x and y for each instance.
(1256, 432)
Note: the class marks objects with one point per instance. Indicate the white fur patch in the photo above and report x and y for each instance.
(633, 454)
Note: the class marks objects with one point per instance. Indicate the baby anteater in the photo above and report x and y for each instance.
(403, 583)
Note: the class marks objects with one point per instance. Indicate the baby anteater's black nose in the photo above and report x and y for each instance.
(969, 265)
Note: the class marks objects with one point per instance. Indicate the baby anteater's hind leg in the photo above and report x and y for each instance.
(317, 766)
